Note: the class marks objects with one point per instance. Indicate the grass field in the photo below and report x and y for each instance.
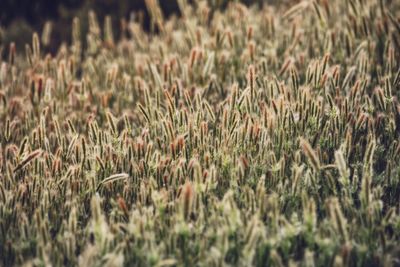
(241, 136)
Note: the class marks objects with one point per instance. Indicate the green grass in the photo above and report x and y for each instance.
(226, 137)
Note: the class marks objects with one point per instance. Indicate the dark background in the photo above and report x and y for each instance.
(20, 18)
(36, 12)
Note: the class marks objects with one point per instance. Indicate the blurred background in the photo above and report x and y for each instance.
(20, 18)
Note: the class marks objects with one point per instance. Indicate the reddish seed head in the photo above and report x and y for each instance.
(244, 161)
(122, 205)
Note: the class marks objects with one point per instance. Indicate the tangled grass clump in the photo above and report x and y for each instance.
(246, 136)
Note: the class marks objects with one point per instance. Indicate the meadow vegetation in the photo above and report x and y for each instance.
(241, 136)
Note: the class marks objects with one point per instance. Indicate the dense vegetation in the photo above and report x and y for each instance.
(245, 136)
